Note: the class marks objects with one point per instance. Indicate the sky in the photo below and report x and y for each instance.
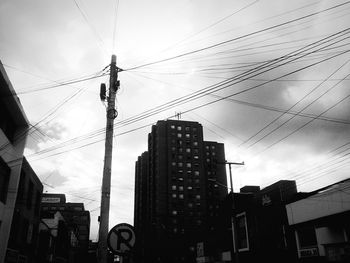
(267, 78)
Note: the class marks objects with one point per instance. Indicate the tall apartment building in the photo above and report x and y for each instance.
(13, 134)
(178, 189)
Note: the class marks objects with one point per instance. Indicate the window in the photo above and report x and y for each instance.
(189, 187)
(188, 150)
(180, 150)
(173, 187)
(194, 129)
(207, 147)
(173, 163)
(4, 180)
(180, 179)
(173, 195)
(198, 197)
(181, 188)
(7, 125)
(172, 126)
(242, 232)
(196, 157)
(195, 143)
(188, 135)
(173, 149)
(188, 165)
(179, 128)
(174, 212)
(187, 128)
(307, 237)
(180, 156)
(181, 196)
(190, 205)
(180, 164)
(179, 135)
(196, 173)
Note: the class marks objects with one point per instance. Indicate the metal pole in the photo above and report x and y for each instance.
(233, 217)
(106, 180)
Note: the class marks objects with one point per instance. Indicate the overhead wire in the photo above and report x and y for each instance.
(92, 28)
(293, 106)
(253, 87)
(238, 38)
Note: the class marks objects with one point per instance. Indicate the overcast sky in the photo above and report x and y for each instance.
(266, 57)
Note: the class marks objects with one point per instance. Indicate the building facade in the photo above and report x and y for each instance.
(13, 133)
(23, 241)
(262, 230)
(176, 206)
(75, 218)
(321, 224)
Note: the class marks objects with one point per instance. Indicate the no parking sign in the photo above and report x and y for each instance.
(121, 239)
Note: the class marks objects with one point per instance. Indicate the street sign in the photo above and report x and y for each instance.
(121, 239)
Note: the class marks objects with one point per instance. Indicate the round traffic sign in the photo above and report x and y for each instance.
(121, 239)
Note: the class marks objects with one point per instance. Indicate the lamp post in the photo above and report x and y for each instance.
(233, 218)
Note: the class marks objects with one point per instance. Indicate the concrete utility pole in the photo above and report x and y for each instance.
(106, 180)
(233, 217)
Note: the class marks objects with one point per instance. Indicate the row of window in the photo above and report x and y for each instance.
(180, 142)
(187, 128)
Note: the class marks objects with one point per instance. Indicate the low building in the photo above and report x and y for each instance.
(26, 218)
(321, 224)
(261, 223)
(13, 134)
(56, 241)
(76, 218)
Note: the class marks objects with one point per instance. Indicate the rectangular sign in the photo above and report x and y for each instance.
(52, 200)
(309, 252)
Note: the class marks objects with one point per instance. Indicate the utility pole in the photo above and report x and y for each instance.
(111, 114)
(233, 217)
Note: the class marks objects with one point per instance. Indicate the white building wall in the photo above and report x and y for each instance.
(332, 201)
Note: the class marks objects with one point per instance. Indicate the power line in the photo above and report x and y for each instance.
(290, 108)
(94, 31)
(304, 125)
(61, 84)
(240, 37)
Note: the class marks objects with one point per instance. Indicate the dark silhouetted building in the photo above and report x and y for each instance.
(263, 232)
(177, 193)
(13, 134)
(23, 239)
(75, 218)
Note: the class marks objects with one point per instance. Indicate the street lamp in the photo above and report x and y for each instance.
(233, 218)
